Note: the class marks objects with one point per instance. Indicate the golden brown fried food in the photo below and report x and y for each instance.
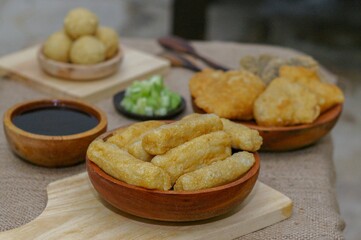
(328, 94)
(201, 80)
(87, 50)
(121, 165)
(192, 115)
(127, 136)
(110, 39)
(256, 64)
(232, 95)
(267, 66)
(80, 22)
(298, 73)
(57, 47)
(196, 153)
(242, 137)
(286, 103)
(137, 150)
(164, 138)
(216, 174)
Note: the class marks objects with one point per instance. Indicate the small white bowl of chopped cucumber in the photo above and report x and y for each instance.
(149, 100)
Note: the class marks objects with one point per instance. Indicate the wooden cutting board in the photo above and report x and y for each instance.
(75, 211)
(23, 66)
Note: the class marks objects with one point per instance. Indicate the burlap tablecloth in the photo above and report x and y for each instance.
(307, 176)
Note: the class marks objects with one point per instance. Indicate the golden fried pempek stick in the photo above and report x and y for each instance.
(242, 137)
(127, 136)
(137, 150)
(121, 165)
(216, 174)
(161, 139)
(194, 154)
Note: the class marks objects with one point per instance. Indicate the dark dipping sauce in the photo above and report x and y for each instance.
(55, 121)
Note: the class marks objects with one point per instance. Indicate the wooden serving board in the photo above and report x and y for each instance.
(75, 211)
(23, 66)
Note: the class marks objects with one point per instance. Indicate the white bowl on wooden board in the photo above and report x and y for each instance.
(79, 72)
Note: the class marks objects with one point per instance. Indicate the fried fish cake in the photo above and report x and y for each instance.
(328, 94)
(267, 66)
(242, 137)
(232, 95)
(136, 149)
(216, 174)
(164, 138)
(256, 64)
(194, 154)
(119, 164)
(286, 103)
(127, 136)
(201, 80)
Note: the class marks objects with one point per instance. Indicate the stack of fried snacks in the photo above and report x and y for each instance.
(267, 66)
(298, 96)
(228, 94)
(156, 155)
(121, 165)
(198, 152)
(162, 139)
(295, 93)
(327, 94)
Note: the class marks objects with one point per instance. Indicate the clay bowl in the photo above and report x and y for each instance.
(293, 137)
(52, 150)
(78, 72)
(170, 205)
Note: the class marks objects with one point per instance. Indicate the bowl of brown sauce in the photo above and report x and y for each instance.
(53, 132)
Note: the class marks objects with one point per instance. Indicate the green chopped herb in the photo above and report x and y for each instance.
(150, 97)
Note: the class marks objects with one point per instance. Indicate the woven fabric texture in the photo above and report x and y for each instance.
(307, 175)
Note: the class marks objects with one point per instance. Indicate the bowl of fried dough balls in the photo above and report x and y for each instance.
(195, 168)
(82, 50)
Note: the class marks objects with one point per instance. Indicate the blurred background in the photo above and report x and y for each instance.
(328, 30)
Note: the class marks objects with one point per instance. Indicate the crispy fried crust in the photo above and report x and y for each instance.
(164, 138)
(136, 149)
(127, 136)
(286, 103)
(194, 154)
(328, 94)
(121, 165)
(230, 96)
(216, 174)
(267, 66)
(199, 81)
(242, 137)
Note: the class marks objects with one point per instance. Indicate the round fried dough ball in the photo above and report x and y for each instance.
(87, 50)
(110, 39)
(57, 47)
(80, 22)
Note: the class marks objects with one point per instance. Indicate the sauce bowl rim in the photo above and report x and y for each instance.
(70, 103)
